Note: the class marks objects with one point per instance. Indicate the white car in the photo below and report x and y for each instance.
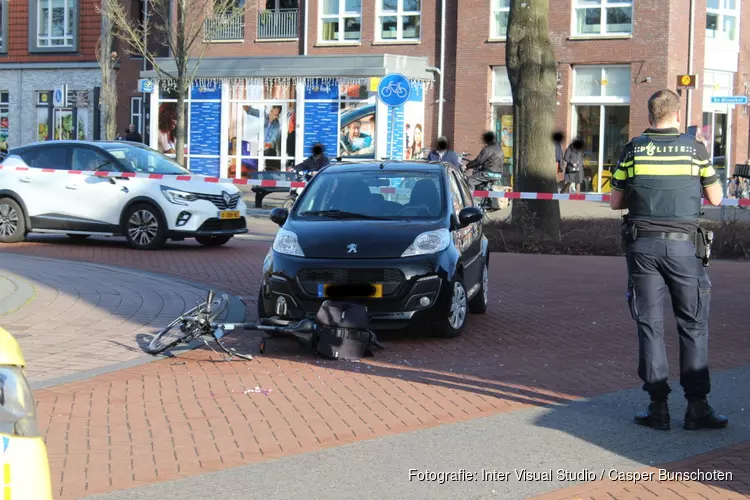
(43, 191)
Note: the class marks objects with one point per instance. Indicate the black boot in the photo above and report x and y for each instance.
(657, 416)
(700, 415)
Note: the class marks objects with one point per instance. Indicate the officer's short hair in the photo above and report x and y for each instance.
(662, 104)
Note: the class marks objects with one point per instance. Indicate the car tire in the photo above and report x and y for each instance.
(478, 305)
(12, 222)
(153, 230)
(78, 236)
(261, 305)
(213, 241)
(454, 322)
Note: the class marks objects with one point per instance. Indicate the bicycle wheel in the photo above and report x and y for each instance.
(188, 328)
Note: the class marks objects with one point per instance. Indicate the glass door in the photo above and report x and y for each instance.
(616, 135)
(604, 131)
(588, 128)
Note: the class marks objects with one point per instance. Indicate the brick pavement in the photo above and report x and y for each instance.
(79, 317)
(558, 329)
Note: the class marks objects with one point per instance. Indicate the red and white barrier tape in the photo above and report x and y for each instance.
(601, 198)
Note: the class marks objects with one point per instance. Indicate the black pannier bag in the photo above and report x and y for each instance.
(342, 331)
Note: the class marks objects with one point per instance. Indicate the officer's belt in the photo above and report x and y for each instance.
(665, 236)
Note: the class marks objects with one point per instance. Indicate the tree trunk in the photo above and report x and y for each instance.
(179, 143)
(532, 71)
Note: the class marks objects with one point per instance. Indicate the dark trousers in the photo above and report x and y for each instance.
(654, 268)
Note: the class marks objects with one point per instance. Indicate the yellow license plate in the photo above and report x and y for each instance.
(336, 291)
(229, 214)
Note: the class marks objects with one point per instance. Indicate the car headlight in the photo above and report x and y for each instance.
(176, 196)
(286, 243)
(17, 410)
(429, 243)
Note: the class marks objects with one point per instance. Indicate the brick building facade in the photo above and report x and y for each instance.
(283, 55)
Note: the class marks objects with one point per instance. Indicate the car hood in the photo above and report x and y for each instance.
(332, 239)
(197, 184)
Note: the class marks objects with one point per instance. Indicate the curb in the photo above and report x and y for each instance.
(236, 313)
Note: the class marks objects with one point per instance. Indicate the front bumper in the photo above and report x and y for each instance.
(405, 283)
(202, 218)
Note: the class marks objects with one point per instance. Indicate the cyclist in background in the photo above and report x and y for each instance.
(488, 165)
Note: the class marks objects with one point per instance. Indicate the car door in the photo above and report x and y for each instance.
(471, 245)
(96, 203)
(42, 187)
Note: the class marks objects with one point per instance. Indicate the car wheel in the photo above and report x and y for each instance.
(78, 236)
(144, 228)
(261, 305)
(455, 319)
(12, 222)
(478, 305)
(213, 241)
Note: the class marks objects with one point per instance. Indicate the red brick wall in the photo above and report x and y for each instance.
(741, 120)
(89, 28)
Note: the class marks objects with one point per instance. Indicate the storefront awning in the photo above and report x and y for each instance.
(326, 66)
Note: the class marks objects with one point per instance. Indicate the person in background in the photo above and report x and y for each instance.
(573, 162)
(443, 152)
(488, 164)
(315, 162)
(558, 138)
(132, 134)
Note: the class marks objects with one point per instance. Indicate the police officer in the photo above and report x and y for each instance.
(659, 179)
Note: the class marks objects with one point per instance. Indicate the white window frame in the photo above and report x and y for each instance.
(341, 17)
(604, 5)
(494, 10)
(399, 13)
(721, 12)
(70, 38)
(139, 114)
(601, 99)
(503, 100)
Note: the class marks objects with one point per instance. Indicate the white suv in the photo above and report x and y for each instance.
(42, 191)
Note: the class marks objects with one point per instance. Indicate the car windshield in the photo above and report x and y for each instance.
(376, 194)
(142, 160)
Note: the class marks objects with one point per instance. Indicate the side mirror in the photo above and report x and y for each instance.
(469, 215)
(279, 216)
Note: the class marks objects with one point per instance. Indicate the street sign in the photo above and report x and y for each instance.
(60, 96)
(145, 86)
(687, 81)
(729, 99)
(394, 90)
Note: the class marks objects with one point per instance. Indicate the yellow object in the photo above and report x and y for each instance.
(686, 79)
(229, 214)
(25, 469)
(10, 351)
(606, 181)
(374, 82)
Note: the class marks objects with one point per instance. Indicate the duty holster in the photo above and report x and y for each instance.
(703, 241)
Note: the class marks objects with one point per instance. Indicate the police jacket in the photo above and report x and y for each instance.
(663, 173)
(490, 159)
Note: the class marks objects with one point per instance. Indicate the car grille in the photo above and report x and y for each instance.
(218, 200)
(391, 279)
(223, 225)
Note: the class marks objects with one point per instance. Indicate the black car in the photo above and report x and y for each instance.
(402, 238)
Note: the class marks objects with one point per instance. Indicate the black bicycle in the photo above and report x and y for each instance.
(201, 322)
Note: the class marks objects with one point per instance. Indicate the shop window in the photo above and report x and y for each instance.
(501, 90)
(135, 112)
(499, 18)
(340, 20)
(262, 127)
(399, 20)
(603, 17)
(66, 124)
(602, 83)
(722, 20)
(4, 122)
(53, 25)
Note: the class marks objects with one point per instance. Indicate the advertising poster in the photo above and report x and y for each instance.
(4, 130)
(414, 127)
(357, 121)
(166, 139)
(506, 135)
(41, 124)
(262, 130)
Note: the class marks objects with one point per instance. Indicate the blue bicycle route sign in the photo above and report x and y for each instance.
(394, 90)
(729, 99)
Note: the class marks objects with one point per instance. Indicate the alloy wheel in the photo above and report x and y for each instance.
(8, 221)
(458, 306)
(143, 227)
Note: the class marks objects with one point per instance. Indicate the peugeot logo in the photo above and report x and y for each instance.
(351, 248)
(227, 198)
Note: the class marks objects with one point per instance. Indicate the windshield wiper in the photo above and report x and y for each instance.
(340, 214)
